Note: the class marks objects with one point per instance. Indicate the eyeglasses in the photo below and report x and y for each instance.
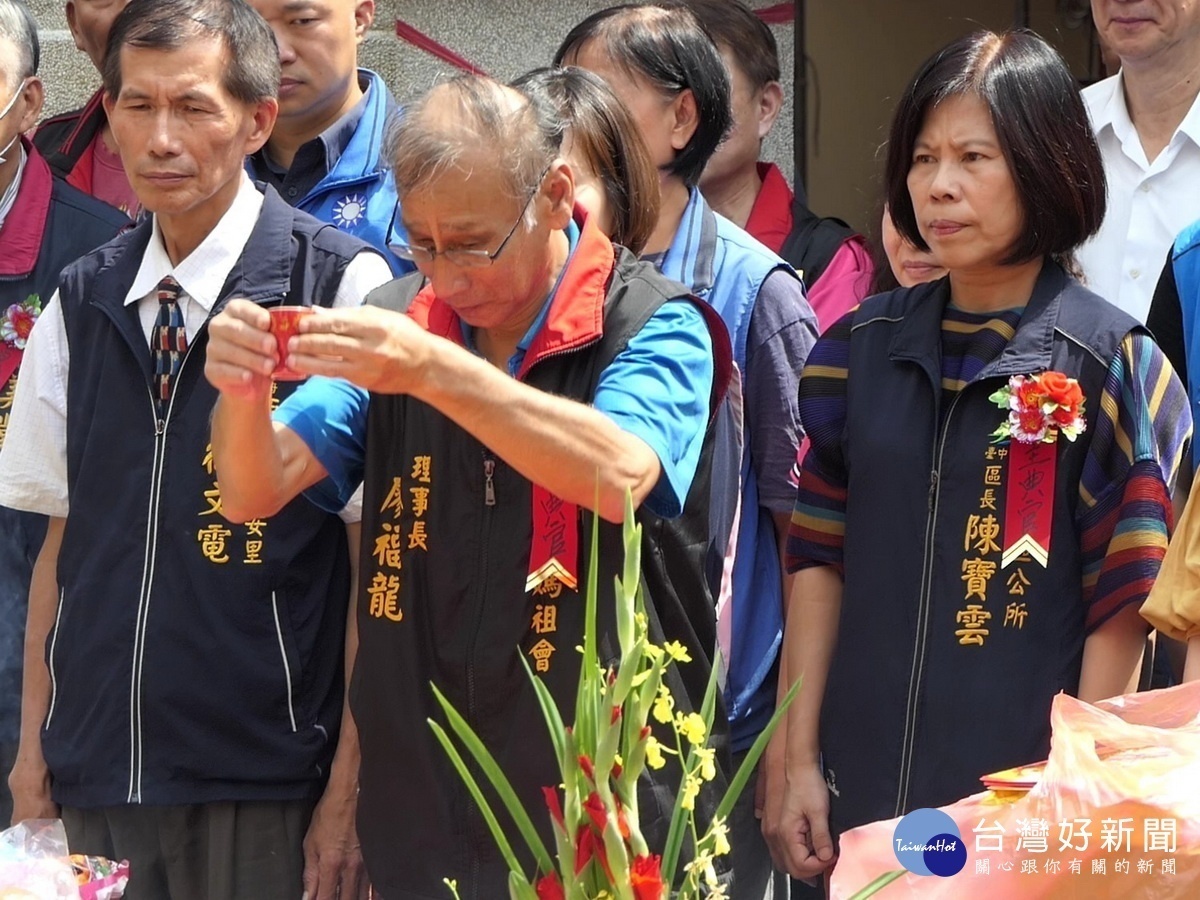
(467, 259)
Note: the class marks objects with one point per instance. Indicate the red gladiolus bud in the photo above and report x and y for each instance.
(616, 714)
(550, 888)
(645, 877)
(552, 803)
(596, 811)
(585, 848)
(622, 823)
(587, 845)
(588, 769)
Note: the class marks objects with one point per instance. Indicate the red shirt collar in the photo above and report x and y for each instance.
(576, 314)
(770, 219)
(21, 234)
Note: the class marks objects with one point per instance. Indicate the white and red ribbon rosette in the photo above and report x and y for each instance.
(1040, 408)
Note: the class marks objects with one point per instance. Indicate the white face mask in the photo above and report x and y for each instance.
(7, 109)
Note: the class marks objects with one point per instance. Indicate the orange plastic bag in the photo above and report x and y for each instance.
(1126, 772)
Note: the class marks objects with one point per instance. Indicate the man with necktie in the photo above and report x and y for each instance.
(184, 687)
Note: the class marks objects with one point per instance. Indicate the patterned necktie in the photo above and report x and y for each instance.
(168, 341)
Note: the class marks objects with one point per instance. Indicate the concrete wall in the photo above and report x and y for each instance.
(513, 37)
(861, 53)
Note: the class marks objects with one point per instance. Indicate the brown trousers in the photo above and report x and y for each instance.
(250, 850)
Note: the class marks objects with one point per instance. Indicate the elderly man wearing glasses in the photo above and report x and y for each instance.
(537, 377)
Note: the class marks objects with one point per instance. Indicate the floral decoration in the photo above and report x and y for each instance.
(599, 851)
(18, 321)
(1040, 407)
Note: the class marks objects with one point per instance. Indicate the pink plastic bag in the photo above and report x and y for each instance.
(1129, 766)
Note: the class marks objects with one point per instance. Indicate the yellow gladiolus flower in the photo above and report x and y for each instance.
(720, 832)
(691, 787)
(663, 704)
(691, 727)
(654, 753)
(677, 651)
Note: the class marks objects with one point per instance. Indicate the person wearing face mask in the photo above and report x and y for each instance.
(960, 552)
(44, 225)
(79, 144)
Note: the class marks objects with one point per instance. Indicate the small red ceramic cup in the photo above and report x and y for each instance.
(285, 322)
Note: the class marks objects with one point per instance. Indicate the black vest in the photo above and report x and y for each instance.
(461, 618)
(913, 716)
(75, 224)
(813, 242)
(192, 660)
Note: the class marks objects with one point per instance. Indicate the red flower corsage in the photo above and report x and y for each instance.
(18, 321)
(1039, 408)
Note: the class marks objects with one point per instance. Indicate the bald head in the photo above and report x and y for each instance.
(470, 122)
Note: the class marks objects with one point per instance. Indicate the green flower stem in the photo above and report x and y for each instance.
(485, 808)
(725, 807)
(670, 857)
(589, 674)
(498, 780)
(878, 885)
(519, 888)
(554, 722)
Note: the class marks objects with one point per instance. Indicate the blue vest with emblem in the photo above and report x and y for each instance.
(358, 195)
(726, 267)
(192, 660)
(1185, 260)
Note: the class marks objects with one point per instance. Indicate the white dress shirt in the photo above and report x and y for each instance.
(9, 198)
(33, 460)
(1149, 203)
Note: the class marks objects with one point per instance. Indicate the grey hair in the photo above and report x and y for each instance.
(521, 139)
(18, 26)
(253, 71)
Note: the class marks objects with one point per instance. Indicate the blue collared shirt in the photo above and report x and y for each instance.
(657, 389)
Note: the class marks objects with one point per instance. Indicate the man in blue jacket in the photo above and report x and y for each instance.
(325, 154)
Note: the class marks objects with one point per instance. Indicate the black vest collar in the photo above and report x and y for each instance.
(919, 336)
(262, 271)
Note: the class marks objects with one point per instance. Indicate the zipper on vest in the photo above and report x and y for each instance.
(923, 610)
(476, 837)
(151, 552)
(50, 664)
(287, 668)
(489, 486)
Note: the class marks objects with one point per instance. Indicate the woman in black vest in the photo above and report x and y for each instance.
(987, 497)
